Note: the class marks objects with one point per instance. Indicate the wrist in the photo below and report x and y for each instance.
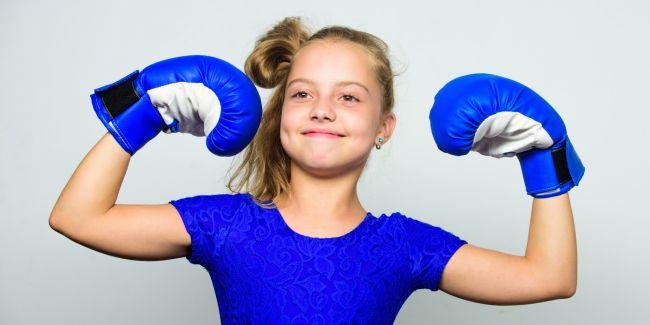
(552, 171)
(127, 113)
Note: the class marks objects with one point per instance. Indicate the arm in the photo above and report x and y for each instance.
(168, 95)
(548, 270)
(552, 241)
(93, 187)
(86, 211)
(499, 117)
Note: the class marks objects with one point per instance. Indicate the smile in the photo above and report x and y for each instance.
(322, 135)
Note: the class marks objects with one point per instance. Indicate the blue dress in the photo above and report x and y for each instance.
(263, 272)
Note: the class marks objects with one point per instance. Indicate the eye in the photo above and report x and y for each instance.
(349, 97)
(299, 95)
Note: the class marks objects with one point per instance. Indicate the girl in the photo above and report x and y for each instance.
(297, 245)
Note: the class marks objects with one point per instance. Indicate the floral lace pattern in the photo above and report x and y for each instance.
(264, 272)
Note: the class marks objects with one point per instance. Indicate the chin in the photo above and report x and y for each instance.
(330, 166)
(324, 171)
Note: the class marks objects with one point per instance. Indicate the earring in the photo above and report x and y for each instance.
(378, 146)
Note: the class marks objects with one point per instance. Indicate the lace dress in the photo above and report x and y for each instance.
(263, 272)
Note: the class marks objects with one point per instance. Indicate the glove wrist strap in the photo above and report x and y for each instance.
(129, 117)
(551, 172)
(120, 95)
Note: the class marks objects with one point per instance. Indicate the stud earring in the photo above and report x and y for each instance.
(378, 146)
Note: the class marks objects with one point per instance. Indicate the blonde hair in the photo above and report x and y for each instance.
(265, 170)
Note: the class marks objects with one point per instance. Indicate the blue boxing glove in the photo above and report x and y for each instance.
(196, 94)
(499, 117)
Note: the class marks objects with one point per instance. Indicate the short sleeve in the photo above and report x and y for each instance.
(207, 219)
(430, 248)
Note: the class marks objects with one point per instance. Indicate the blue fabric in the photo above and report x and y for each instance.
(263, 272)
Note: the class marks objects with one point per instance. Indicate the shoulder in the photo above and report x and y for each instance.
(429, 249)
(422, 231)
(402, 221)
(402, 225)
(209, 201)
(207, 218)
(415, 225)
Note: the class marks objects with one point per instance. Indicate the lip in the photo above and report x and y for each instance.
(322, 135)
(322, 132)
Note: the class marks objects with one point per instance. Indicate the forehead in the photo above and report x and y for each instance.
(330, 61)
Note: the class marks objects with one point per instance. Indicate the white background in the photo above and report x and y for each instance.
(589, 59)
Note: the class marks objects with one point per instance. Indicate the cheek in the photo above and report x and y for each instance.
(289, 127)
(284, 131)
(288, 122)
(361, 125)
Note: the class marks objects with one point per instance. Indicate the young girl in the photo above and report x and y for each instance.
(298, 246)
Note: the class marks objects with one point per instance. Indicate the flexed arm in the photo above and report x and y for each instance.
(499, 117)
(200, 95)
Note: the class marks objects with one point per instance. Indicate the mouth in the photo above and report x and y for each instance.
(322, 135)
(317, 132)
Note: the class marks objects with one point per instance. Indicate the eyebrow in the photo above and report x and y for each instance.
(340, 83)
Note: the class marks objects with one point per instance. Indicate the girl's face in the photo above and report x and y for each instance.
(330, 86)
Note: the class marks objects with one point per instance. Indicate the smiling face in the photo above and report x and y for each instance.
(330, 86)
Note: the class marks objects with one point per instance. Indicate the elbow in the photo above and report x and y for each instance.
(570, 285)
(53, 220)
(560, 289)
(55, 223)
(564, 284)
(570, 291)
(567, 291)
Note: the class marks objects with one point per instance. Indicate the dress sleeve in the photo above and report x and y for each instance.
(207, 219)
(430, 248)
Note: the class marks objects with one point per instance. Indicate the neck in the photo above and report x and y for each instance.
(322, 200)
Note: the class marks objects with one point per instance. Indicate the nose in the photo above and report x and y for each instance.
(322, 110)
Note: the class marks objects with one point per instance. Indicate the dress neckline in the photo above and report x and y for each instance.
(357, 228)
(276, 213)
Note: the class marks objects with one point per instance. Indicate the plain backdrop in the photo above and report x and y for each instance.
(589, 59)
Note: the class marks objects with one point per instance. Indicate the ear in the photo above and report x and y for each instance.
(387, 126)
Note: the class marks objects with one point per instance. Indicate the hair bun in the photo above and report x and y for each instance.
(270, 61)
